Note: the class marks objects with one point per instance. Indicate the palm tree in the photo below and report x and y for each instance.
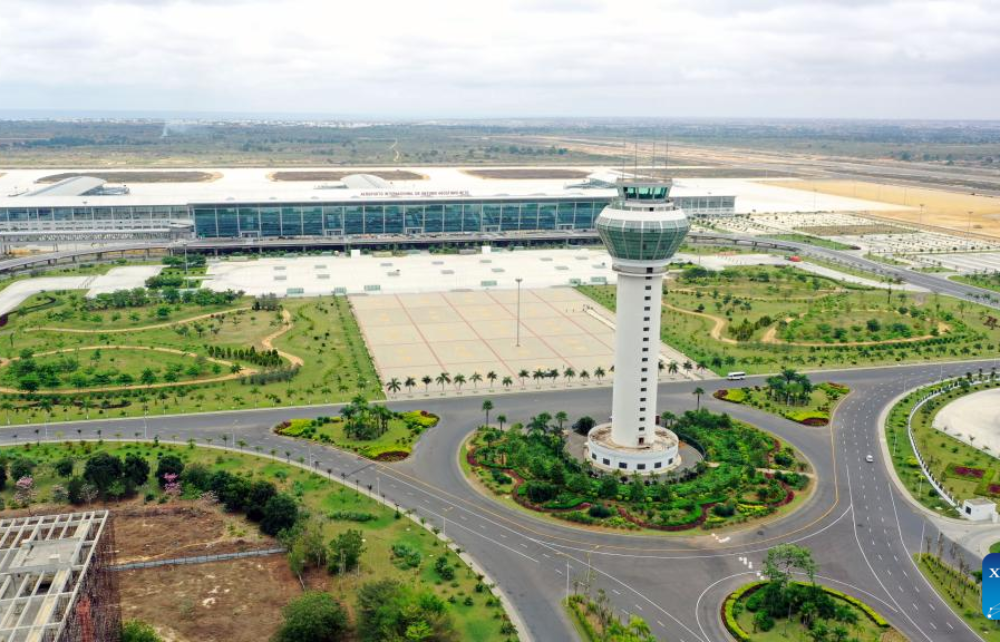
(459, 381)
(409, 383)
(538, 375)
(569, 374)
(491, 377)
(672, 368)
(599, 373)
(442, 379)
(393, 385)
(698, 392)
(427, 381)
(487, 407)
(522, 375)
(475, 379)
(561, 417)
(584, 375)
(507, 382)
(501, 419)
(659, 369)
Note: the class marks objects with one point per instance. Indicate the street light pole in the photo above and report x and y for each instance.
(518, 341)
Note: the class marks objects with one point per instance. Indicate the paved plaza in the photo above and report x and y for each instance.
(412, 335)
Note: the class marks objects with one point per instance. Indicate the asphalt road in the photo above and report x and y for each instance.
(862, 532)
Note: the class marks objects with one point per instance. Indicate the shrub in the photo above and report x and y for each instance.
(168, 464)
(137, 631)
(280, 513)
(345, 551)
(313, 617)
(351, 516)
(64, 468)
(445, 570)
(599, 511)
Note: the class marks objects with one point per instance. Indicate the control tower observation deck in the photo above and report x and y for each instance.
(642, 230)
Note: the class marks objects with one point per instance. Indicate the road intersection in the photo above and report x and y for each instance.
(862, 531)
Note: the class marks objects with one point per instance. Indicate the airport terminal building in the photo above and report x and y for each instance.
(86, 207)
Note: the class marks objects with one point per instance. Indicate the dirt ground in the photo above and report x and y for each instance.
(185, 529)
(948, 210)
(139, 177)
(235, 601)
(538, 173)
(336, 175)
(232, 601)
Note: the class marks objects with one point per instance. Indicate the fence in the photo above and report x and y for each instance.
(199, 559)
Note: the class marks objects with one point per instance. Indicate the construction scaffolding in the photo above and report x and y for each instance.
(56, 579)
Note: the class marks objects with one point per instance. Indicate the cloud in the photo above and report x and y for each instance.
(506, 57)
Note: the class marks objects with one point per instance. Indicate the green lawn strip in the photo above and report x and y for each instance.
(944, 454)
(739, 619)
(814, 410)
(758, 301)
(986, 281)
(886, 259)
(730, 492)
(340, 507)
(812, 240)
(324, 334)
(402, 432)
(949, 584)
(851, 270)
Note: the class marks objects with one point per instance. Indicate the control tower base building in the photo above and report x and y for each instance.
(641, 229)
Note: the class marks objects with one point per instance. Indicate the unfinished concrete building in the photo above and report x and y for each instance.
(56, 582)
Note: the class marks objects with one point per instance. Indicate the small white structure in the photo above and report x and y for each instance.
(979, 509)
(642, 229)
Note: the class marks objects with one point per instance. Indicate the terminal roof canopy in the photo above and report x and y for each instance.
(73, 186)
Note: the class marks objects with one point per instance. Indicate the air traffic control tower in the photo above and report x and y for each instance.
(641, 229)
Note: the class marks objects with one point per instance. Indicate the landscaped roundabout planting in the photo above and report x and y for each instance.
(745, 474)
(781, 608)
(759, 318)
(371, 430)
(791, 395)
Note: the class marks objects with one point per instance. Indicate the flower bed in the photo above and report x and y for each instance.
(966, 471)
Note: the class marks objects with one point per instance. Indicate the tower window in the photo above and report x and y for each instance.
(640, 466)
(623, 465)
(648, 299)
(606, 461)
(649, 287)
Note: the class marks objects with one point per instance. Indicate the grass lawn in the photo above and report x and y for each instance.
(812, 240)
(948, 583)
(478, 622)
(102, 367)
(323, 334)
(965, 471)
(759, 319)
(815, 411)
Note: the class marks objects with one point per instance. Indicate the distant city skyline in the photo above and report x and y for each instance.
(848, 59)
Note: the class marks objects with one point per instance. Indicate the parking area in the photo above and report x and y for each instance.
(412, 335)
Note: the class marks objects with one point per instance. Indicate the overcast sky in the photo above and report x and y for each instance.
(506, 58)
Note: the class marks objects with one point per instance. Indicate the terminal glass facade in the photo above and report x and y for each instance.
(87, 218)
(423, 217)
